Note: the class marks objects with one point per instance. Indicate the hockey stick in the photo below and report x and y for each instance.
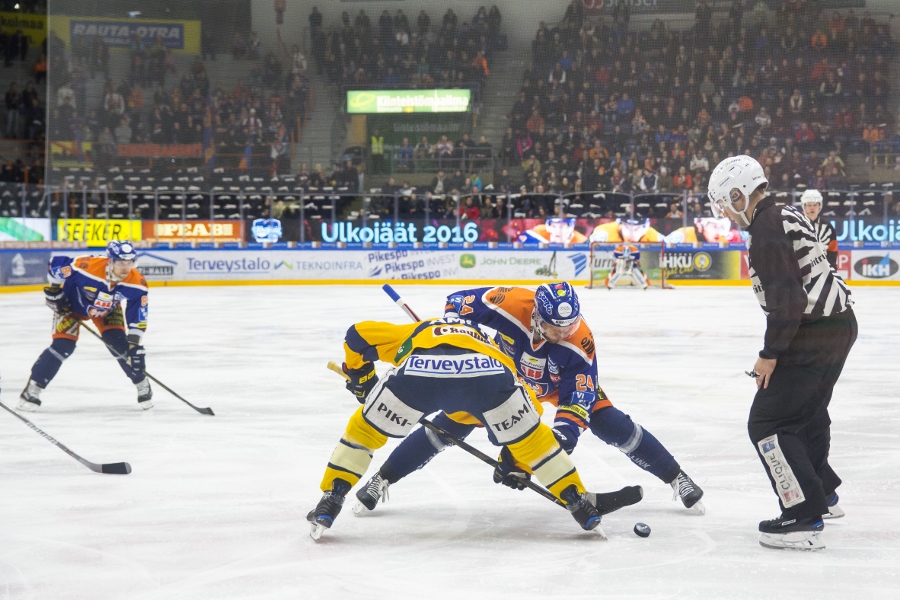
(399, 301)
(122, 468)
(457, 442)
(203, 411)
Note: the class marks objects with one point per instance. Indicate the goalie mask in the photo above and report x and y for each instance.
(556, 311)
(731, 182)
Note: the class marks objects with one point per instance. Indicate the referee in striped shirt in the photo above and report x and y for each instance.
(810, 328)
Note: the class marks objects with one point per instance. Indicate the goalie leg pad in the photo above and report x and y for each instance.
(613, 278)
(639, 278)
(618, 430)
(419, 447)
(48, 363)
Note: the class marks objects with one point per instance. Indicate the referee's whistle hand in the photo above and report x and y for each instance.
(765, 367)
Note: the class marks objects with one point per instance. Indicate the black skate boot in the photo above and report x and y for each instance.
(792, 534)
(328, 508)
(582, 510)
(145, 394)
(376, 489)
(690, 493)
(30, 398)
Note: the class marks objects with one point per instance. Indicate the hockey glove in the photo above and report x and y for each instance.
(361, 381)
(508, 473)
(56, 299)
(136, 359)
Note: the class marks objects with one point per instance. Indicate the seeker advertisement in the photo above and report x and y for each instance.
(97, 232)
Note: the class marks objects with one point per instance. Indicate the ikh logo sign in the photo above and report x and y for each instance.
(876, 267)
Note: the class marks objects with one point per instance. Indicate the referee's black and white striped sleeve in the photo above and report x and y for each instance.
(791, 276)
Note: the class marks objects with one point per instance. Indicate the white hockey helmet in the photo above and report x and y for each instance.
(811, 196)
(732, 180)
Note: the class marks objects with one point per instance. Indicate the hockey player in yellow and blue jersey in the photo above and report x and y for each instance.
(444, 364)
(554, 352)
(94, 288)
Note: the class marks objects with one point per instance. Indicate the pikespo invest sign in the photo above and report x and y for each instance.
(373, 102)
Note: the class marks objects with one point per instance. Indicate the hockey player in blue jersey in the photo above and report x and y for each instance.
(94, 288)
(554, 351)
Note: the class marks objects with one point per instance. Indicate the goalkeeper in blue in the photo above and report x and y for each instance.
(553, 349)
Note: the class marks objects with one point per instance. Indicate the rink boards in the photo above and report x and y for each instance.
(25, 269)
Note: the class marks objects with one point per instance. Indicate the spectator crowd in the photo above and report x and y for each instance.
(603, 106)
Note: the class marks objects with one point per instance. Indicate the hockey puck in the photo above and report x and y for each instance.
(641, 530)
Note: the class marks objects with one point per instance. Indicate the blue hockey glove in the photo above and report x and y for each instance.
(56, 299)
(361, 381)
(136, 359)
(508, 473)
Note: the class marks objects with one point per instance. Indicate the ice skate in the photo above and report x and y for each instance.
(29, 399)
(328, 508)
(145, 394)
(368, 496)
(792, 534)
(834, 511)
(582, 510)
(690, 493)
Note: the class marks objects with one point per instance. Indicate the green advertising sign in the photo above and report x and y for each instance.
(373, 102)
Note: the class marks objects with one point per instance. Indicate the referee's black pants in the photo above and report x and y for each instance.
(789, 423)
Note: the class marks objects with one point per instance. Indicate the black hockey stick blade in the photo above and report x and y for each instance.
(121, 468)
(199, 409)
(203, 411)
(613, 501)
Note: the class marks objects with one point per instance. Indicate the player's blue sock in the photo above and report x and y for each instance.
(48, 363)
(419, 447)
(617, 429)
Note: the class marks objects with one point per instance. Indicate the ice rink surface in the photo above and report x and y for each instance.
(215, 506)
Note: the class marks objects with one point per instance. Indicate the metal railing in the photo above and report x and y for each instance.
(332, 214)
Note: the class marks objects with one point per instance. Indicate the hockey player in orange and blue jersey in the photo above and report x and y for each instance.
(92, 287)
(444, 364)
(553, 350)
